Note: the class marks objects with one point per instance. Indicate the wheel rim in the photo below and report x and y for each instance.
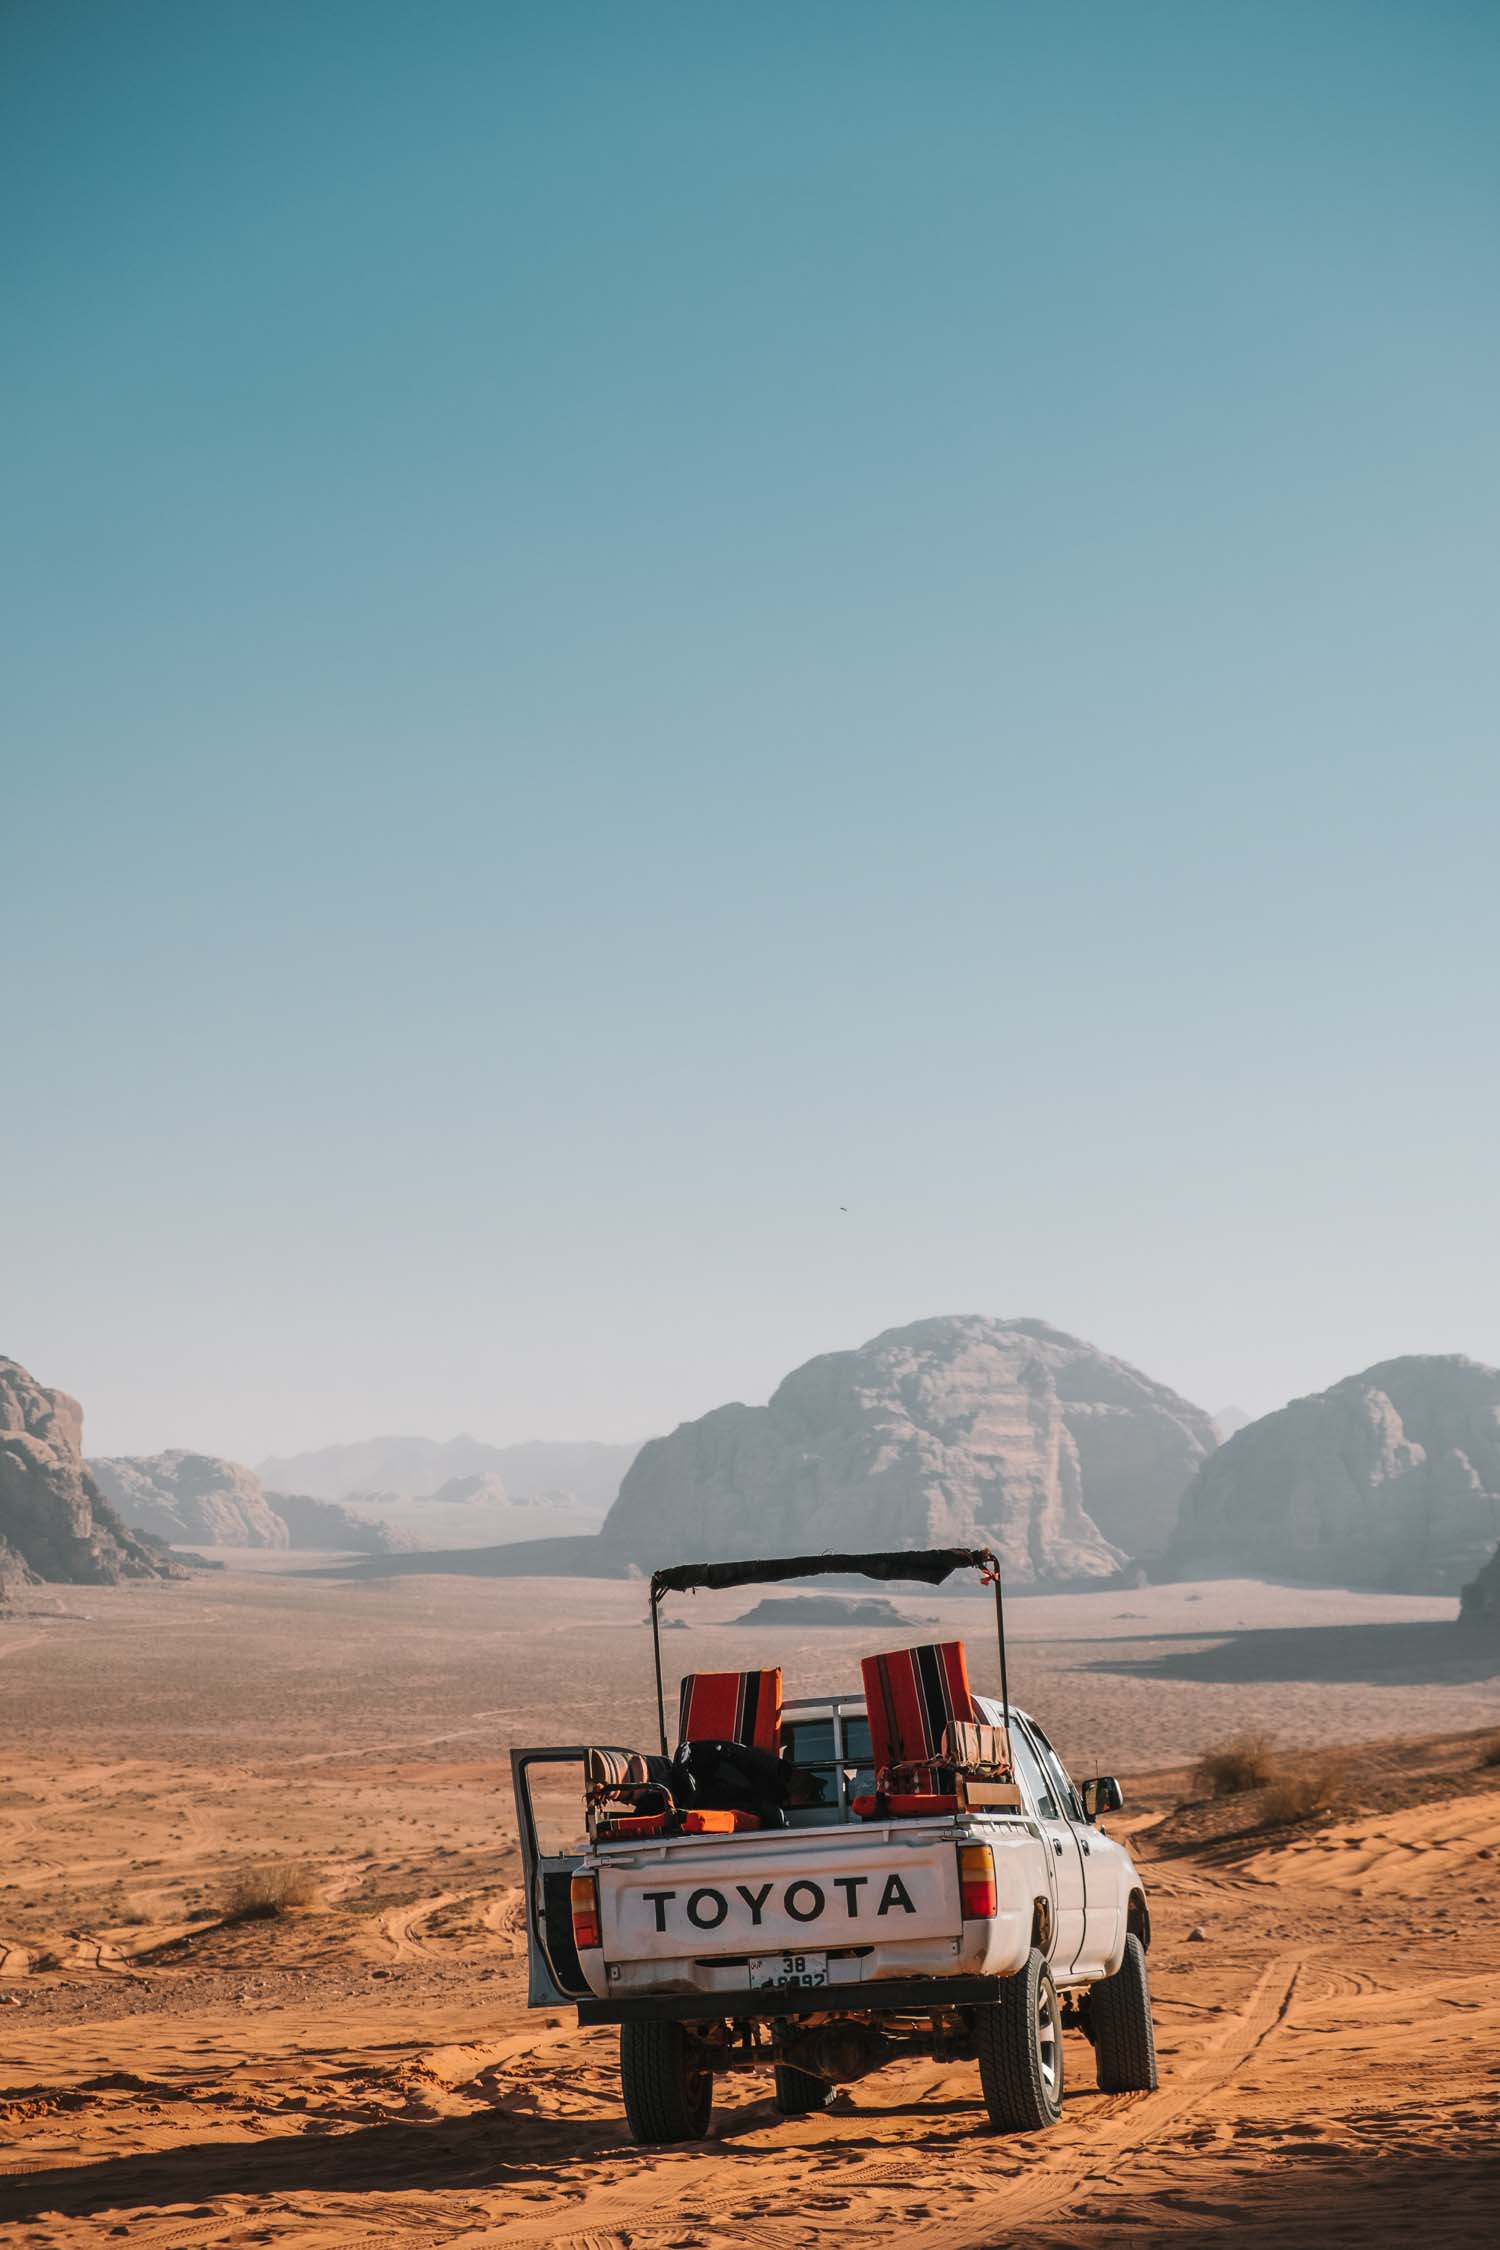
(1048, 2039)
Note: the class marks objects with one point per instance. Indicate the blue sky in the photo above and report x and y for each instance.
(630, 626)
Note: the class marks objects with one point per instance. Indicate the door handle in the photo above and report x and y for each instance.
(1057, 1845)
(1083, 1840)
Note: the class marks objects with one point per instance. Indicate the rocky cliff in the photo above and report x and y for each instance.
(193, 1499)
(54, 1522)
(956, 1430)
(1390, 1478)
(330, 1526)
(1479, 1604)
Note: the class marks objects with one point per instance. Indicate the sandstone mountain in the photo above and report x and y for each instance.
(192, 1499)
(955, 1430)
(407, 1468)
(54, 1522)
(330, 1526)
(1479, 1604)
(1388, 1479)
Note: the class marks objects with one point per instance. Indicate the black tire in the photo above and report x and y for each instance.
(798, 2092)
(669, 2091)
(1120, 2020)
(1019, 2039)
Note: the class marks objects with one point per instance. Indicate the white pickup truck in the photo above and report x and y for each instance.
(866, 1926)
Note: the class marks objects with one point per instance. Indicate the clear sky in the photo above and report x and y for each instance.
(632, 625)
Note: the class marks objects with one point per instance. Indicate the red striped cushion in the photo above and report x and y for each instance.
(732, 1707)
(616, 1769)
(912, 1695)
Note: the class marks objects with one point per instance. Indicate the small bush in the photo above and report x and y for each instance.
(1296, 1796)
(258, 1894)
(1490, 1754)
(1245, 1762)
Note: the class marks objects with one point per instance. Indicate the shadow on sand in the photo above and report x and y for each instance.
(1373, 1655)
(1311, 2186)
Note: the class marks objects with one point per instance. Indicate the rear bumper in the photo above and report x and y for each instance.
(881, 1996)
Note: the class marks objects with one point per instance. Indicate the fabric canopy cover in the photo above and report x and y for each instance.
(929, 1565)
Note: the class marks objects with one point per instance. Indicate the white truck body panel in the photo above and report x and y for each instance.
(689, 1914)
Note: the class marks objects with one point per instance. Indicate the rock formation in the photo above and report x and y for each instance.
(195, 1499)
(485, 1489)
(204, 1500)
(54, 1522)
(1387, 1479)
(1479, 1604)
(330, 1526)
(956, 1430)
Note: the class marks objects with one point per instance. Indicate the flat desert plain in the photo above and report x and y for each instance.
(361, 2068)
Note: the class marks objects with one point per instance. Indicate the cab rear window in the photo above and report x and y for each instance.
(835, 1755)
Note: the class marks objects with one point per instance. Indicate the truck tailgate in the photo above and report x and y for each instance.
(816, 1888)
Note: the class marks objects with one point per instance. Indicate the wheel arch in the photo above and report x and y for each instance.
(1138, 1919)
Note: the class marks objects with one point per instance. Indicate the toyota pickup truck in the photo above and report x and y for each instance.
(826, 1884)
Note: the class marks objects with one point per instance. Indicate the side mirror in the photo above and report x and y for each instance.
(1102, 1795)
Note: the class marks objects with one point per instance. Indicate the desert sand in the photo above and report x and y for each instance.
(363, 2070)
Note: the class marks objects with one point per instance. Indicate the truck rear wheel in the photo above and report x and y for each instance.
(1019, 2038)
(798, 2092)
(1120, 2021)
(668, 2089)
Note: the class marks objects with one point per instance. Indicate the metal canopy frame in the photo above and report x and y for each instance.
(927, 1565)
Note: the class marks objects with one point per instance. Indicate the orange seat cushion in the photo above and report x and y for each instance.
(717, 1823)
(634, 1824)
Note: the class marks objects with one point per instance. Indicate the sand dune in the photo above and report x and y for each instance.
(363, 2070)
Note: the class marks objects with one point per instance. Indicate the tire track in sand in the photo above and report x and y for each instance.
(970, 2189)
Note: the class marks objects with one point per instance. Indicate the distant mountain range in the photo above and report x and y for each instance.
(961, 1430)
(412, 1468)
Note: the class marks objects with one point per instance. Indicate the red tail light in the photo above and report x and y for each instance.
(583, 1898)
(976, 1882)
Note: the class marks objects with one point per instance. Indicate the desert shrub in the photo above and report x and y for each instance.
(259, 1893)
(1490, 1754)
(1246, 1761)
(1296, 1796)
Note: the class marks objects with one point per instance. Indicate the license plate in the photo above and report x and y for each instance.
(789, 1972)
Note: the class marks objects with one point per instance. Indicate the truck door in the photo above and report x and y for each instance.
(550, 1817)
(1057, 1834)
(1100, 1862)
